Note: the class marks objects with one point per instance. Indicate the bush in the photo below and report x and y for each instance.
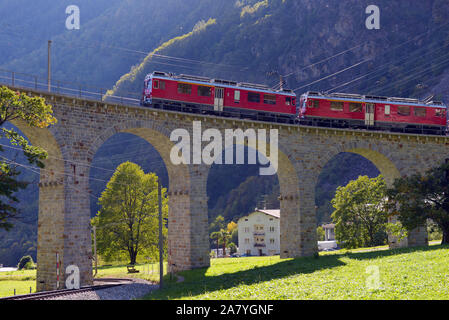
(26, 262)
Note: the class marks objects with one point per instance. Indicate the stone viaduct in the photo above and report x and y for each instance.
(84, 125)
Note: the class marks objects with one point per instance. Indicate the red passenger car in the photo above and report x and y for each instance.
(372, 112)
(226, 98)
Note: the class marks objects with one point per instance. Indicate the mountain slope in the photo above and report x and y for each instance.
(406, 57)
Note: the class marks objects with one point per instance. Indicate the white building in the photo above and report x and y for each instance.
(259, 233)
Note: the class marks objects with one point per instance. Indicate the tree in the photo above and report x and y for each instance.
(417, 198)
(127, 222)
(320, 233)
(34, 112)
(223, 236)
(360, 216)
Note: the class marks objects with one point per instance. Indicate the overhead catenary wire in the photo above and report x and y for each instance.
(356, 64)
(379, 69)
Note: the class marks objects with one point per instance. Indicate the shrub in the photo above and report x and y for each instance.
(26, 262)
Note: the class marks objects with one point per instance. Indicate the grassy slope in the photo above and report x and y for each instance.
(410, 273)
(420, 273)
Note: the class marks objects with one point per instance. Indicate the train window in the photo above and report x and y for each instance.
(337, 105)
(314, 104)
(161, 85)
(387, 109)
(420, 112)
(403, 111)
(184, 88)
(204, 91)
(156, 84)
(288, 101)
(355, 107)
(439, 113)
(253, 97)
(269, 99)
(237, 96)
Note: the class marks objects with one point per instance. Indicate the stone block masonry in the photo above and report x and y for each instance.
(84, 125)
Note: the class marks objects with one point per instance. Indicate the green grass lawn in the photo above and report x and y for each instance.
(410, 273)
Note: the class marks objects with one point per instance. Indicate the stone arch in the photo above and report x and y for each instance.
(290, 218)
(51, 216)
(390, 164)
(185, 245)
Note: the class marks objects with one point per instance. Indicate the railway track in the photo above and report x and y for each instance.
(45, 295)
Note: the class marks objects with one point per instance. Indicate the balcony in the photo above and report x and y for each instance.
(262, 245)
(259, 233)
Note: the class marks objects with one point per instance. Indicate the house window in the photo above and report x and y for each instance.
(269, 99)
(272, 241)
(403, 111)
(247, 241)
(337, 105)
(237, 96)
(204, 91)
(246, 219)
(253, 97)
(184, 88)
(246, 229)
(355, 107)
(420, 112)
(248, 252)
(271, 229)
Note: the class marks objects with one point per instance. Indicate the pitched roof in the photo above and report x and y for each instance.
(274, 213)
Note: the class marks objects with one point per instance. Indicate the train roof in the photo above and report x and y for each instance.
(428, 102)
(220, 82)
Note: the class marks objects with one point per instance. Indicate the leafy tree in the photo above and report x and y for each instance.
(34, 112)
(128, 219)
(360, 214)
(320, 233)
(417, 198)
(223, 236)
(232, 247)
(217, 224)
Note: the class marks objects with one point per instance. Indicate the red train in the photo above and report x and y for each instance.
(245, 100)
(214, 96)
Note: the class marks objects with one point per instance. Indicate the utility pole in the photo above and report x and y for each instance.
(49, 66)
(161, 243)
(94, 228)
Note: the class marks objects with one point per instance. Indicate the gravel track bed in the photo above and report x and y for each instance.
(130, 291)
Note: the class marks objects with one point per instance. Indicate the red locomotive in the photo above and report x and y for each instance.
(338, 110)
(227, 98)
(373, 112)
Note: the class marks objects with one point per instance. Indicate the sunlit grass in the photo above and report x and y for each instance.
(409, 273)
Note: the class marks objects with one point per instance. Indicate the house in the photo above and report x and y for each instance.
(259, 233)
(329, 231)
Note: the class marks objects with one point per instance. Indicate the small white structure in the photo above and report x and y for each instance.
(329, 231)
(259, 233)
(327, 245)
